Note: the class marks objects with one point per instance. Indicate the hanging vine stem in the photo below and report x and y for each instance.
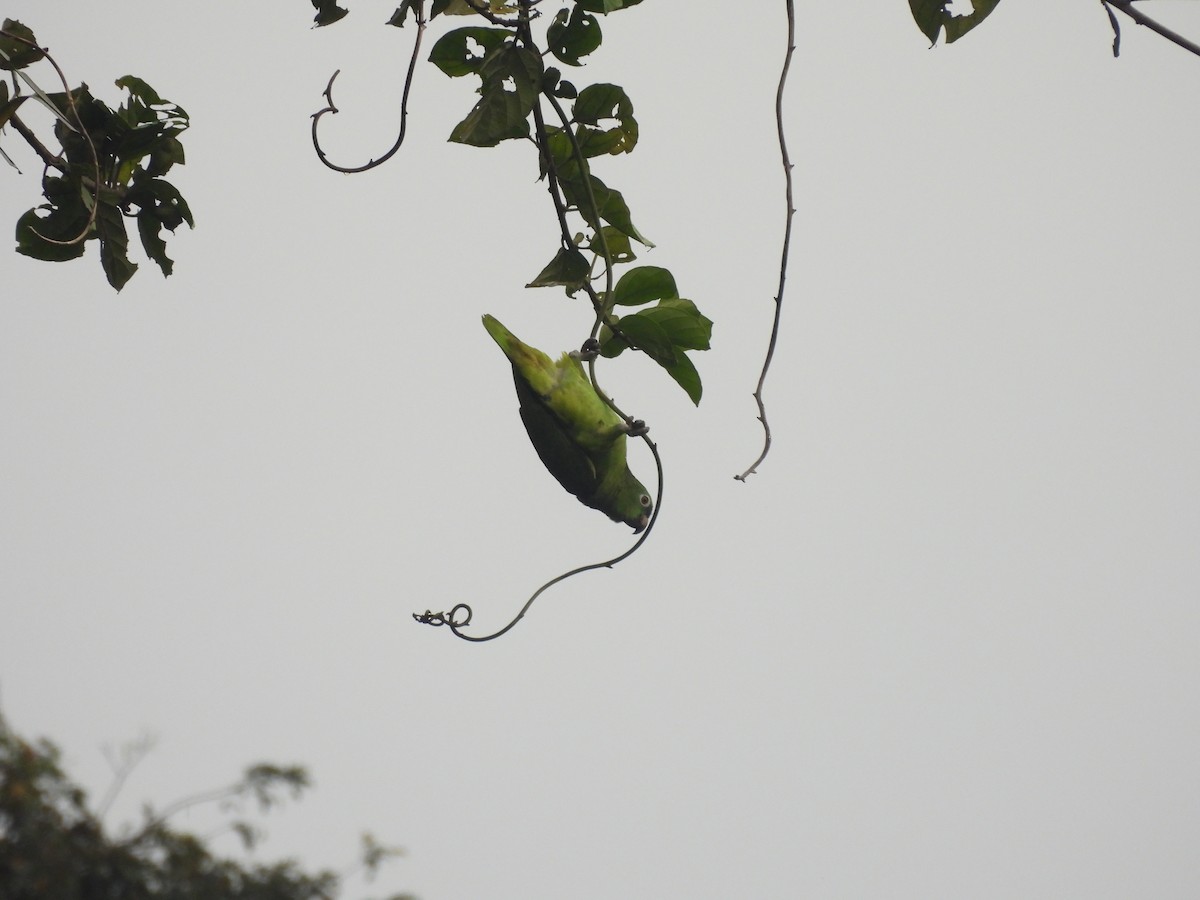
(332, 108)
(787, 243)
(39, 148)
(460, 615)
(1126, 6)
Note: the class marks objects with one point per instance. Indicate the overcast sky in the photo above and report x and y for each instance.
(944, 645)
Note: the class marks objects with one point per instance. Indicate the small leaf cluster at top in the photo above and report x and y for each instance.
(521, 98)
(110, 166)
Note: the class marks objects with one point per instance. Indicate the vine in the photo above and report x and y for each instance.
(521, 98)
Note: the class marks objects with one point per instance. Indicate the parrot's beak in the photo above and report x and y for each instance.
(641, 524)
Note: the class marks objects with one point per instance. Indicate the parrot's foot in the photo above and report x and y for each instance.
(636, 428)
(589, 351)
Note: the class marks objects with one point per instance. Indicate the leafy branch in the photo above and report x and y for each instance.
(109, 167)
(55, 845)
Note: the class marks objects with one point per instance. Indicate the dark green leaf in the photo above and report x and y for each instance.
(402, 11)
(150, 231)
(610, 345)
(606, 6)
(572, 37)
(60, 225)
(610, 204)
(568, 269)
(140, 89)
(499, 116)
(169, 205)
(619, 249)
(683, 322)
(602, 101)
(644, 284)
(114, 246)
(328, 12)
(960, 25)
(648, 336)
(594, 142)
(932, 16)
(599, 102)
(16, 54)
(645, 329)
(686, 377)
(564, 90)
(511, 76)
(453, 54)
(165, 153)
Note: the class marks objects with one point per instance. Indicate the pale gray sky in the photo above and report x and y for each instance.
(943, 646)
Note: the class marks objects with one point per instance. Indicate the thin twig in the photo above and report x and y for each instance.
(332, 108)
(1116, 27)
(460, 616)
(787, 242)
(131, 756)
(1126, 6)
(154, 822)
(51, 161)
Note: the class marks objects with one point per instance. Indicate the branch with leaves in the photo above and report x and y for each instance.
(108, 167)
(55, 845)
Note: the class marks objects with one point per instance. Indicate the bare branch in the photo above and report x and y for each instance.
(52, 161)
(787, 243)
(130, 757)
(1127, 7)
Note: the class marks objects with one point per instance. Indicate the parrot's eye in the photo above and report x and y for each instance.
(644, 500)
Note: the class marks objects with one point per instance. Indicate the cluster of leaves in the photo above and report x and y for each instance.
(110, 167)
(595, 121)
(53, 847)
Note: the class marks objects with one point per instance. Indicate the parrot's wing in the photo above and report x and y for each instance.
(561, 456)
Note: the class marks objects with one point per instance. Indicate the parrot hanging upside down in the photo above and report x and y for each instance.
(577, 435)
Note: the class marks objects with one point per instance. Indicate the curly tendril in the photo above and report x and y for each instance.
(460, 615)
(332, 108)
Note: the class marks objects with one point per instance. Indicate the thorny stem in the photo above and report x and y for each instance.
(1126, 6)
(787, 242)
(332, 108)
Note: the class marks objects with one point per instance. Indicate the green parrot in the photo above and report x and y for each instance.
(577, 435)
